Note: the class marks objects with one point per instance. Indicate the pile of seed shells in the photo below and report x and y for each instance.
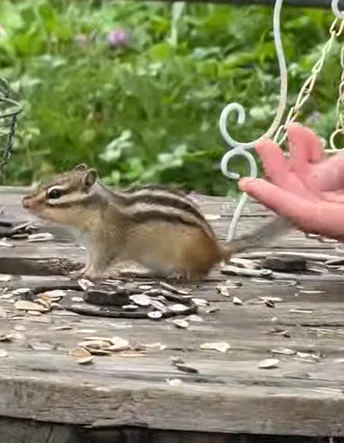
(153, 300)
(110, 298)
(10, 230)
(17, 231)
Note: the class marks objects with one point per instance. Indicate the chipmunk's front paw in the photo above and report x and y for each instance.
(76, 275)
(178, 276)
(92, 275)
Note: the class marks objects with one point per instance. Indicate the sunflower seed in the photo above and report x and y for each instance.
(54, 294)
(34, 313)
(194, 318)
(284, 351)
(273, 299)
(130, 307)
(269, 363)
(155, 345)
(80, 352)
(87, 331)
(212, 310)
(7, 295)
(200, 302)
(85, 284)
(237, 301)
(158, 305)
(100, 352)
(38, 345)
(22, 291)
(179, 323)
(86, 360)
(233, 283)
(5, 243)
(24, 305)
(145, 287)
(174, 381)
(45, 303)
(94, 344)
(77, 299)
(211, 217)
(220, 346)
(223, 290)
(61, 328)
(176, 359)
(301, 311)
(118, 344)
(41, 236)
(153, 292)
(6, 338)
(178, 308)
(140, 299)
(185, 368)
(174, 289)
(155, 315)
(307, 356)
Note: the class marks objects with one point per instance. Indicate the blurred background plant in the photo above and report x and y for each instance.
(136, 89)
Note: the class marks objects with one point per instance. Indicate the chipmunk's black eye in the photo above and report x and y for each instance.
(54, 193)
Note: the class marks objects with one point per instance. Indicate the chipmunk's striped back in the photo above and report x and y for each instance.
(156, 202)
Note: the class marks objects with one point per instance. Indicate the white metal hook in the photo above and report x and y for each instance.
(335, 9)
(239, 151)
(283, 92)
(238, 148)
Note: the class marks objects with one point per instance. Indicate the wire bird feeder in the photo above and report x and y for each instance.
(9, 111)
(277, 130)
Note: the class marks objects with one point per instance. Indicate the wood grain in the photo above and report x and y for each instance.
(229, 394)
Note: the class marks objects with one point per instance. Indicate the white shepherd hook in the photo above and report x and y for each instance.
(335, 9)
(238, 148)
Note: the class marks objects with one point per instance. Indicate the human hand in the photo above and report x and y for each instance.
(307, 187)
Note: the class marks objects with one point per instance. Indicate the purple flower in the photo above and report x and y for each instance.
(117, 37)
(314, 117)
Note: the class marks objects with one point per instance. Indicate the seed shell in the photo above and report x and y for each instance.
(269, 363)
(220, 346)
(179, 323)
(140, 299)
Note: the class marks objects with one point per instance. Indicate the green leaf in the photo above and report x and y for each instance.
(10, 16)
(160, 51)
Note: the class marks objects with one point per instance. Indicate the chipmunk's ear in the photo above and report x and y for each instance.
(90, 178)
(80, 167)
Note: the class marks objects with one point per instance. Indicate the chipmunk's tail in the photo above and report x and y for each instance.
(261, 237)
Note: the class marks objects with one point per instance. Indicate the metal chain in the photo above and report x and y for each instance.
(239, 149)
(335, 31)
(339, 107)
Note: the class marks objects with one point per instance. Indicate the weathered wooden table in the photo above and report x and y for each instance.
(46, 396)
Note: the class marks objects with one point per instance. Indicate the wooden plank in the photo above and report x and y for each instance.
(25, 431)
(40, 381)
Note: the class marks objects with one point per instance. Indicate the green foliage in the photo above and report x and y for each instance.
(147, 110)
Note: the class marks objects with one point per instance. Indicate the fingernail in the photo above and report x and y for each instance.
(245, 181)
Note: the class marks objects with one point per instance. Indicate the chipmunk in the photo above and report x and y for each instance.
(159, 228)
